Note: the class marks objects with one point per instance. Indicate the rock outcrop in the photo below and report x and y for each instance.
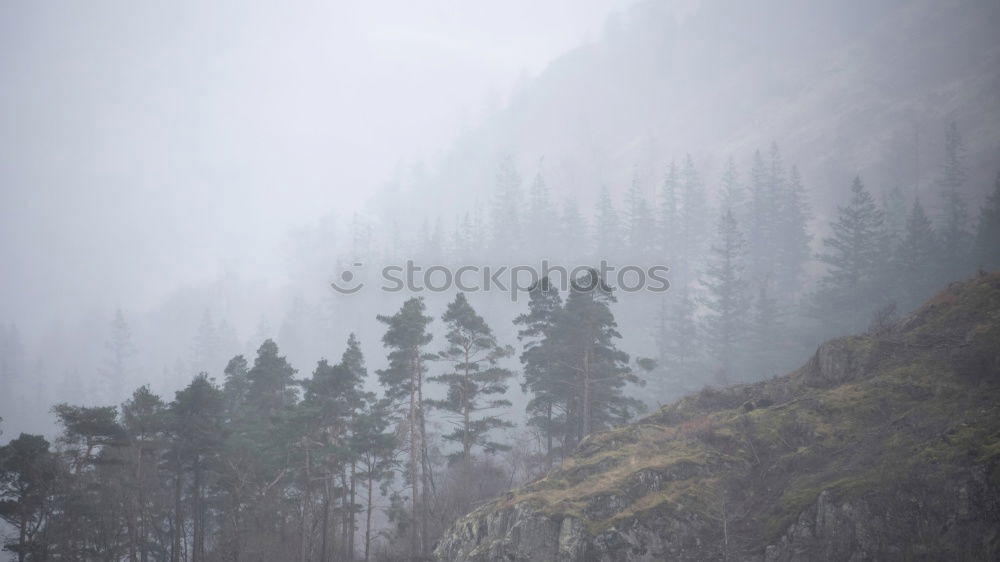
(882, 447)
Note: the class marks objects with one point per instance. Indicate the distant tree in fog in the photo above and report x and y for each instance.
(725, 324)
(855, 255)
(988, 231)
(119, 351)
(955, 235)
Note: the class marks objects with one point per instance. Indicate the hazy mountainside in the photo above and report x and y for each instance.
(873, 83)
(883, 446)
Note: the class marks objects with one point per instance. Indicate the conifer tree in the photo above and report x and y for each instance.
(679, 343)
(854, 254)
(475, 384)
(954, 233)
(198, 414)
(585, 338)
(726, 301)
(406, 337)
(641, 224)
(792, 250)
(916, 257)
(544, 378)
(731, 194)
(120, 350)
(693, 218)
(668, 219)
(763, 219)
(505, 211)
(541, 216)
(29, 474)
(988, 231)
(607, 227)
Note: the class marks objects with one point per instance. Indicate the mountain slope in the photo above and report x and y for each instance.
(883, 446)
(842, 86)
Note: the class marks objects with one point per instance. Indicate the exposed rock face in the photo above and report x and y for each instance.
(881, 447)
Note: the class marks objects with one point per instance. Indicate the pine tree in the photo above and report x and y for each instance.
(988, 231)
(475, 381)
(955, 237)
(198, 416)
(406, 337)
(374, 443)
(585, 338)
(272, 387)
(916, 258)
(855, 255)
(236, 386)
(29, 475)
(726, 321)
(544, 378)
(145, 422)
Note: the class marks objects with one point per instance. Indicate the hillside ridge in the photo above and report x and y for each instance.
(882, 446)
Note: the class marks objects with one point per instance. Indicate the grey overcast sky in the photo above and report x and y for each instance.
(148, 145)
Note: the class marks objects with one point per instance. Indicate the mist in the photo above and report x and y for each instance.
(185, 185)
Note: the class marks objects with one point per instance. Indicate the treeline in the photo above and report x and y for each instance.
(267, 466)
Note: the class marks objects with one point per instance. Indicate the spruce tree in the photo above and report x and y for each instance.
(640, 223)
(668, 219)
(725, 325)
(916, 258)
(763, 220)
(693, 218)
(475, 384)
(608, 240)
(120, 349)
(505, 211)
(731, 194)
(792, 242)
(541, 217)
(955, 236)
(854, 254)
(679, 344)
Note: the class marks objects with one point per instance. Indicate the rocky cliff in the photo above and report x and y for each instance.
(883, 446)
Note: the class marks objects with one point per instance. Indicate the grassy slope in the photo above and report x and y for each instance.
(915, 405)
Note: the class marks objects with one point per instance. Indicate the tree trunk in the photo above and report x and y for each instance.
(326, 518)
(175, 551)
(368, 514)
(352, 527)
(305, 511)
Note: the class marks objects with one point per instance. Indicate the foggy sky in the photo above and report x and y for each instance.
(145, 147)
